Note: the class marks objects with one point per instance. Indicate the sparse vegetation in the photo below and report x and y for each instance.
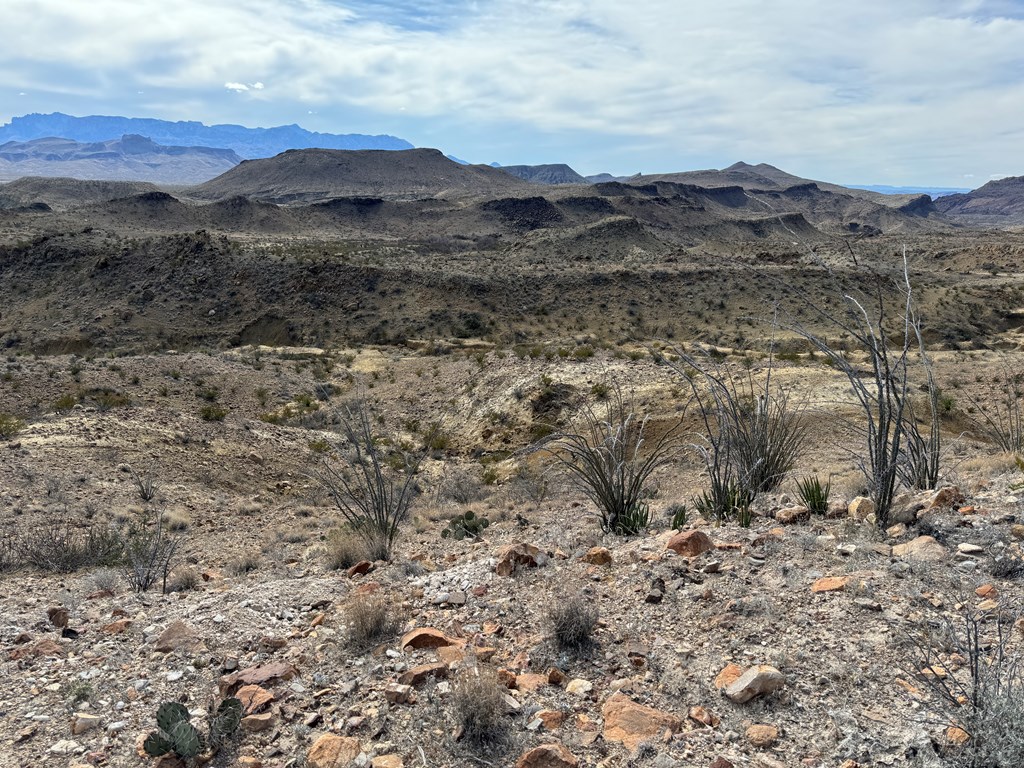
(573, 621)
(372, 496)
(370, 619)
(813, 494)
(478, 708)
(611, 462)
(10, 426)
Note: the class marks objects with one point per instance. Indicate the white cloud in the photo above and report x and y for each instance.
(851, 89)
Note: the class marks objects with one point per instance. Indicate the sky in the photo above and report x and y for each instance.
(900, 92)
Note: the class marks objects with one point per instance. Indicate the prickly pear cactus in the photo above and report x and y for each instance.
(170, 713)
(225, 720)
(186, 739)
(156, 744)
(465, 525)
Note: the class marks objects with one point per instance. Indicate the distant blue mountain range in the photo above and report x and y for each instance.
(931, 191)
(248, 143)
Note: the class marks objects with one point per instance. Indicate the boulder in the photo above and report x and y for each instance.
(830, 584)
(426, 637)
(923, 548)
(860, 508)
(762, 735)
(756, 681)
(548, 756)
(178, 635)
(330, 751)
(690, 543)
(519, 556)
(630, 723)
(598, 556)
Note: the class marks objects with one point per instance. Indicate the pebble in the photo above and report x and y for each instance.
(175, 675)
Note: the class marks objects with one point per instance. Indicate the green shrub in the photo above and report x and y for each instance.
(813, 494)
(10, 426)
(213, 412)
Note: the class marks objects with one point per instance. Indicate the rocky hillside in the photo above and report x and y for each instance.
(558, 173)
(998, 203)
(315, 175)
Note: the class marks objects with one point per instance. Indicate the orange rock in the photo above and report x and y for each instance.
(557, 676)
(330, 751)
(418, 675)
(721, 762)
(359, 569)
(387, 761)
(630, 723)
(530, 682)
(519, 555)
(986, 590)
(762, 735)
(948, 497)
(426, 637)
(257, 723)
(254, 698)
(367, 588)
(690, 543)
(548, 756)
(957, 736)
(44, 647)
(598, 556)
(278, 670)
(116, 627)
(551, 718)
(507, 678)
(703, 716)
(177, 635)
(728, 676)
(830, 584)
(908, 687)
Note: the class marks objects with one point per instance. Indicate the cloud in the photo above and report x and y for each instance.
(901, 88)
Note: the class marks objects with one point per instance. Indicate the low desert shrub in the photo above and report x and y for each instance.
(10, 426)
(149, 552)
(61, 545)
(572, 622)
(985, 696)
(478, 708)
(370, 619)
(343, 549)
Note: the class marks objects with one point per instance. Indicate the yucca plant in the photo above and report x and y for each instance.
(813, 494)
(610, 460)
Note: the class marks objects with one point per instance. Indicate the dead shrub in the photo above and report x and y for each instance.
(478, 707)
(370, 619)
(344, 549)
(573, 622)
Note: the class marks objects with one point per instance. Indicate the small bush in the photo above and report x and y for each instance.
(10, 426)
(213, 413)
(244, 564)
(344, 548)
(370, 619)
(183, 580)
(148, 553)
(61, 546)
(813, 494)
(145, 484)
(478, 707)
(678, 513)
(573, 622)
(105, 580)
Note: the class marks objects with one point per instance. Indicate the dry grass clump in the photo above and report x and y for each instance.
(478, 706)
(370, 619)
(183, 580)
(176, 520)
(244, 564)
(344, 549)
(573, 622)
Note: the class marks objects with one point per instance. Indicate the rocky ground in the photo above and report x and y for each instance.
(794, 642)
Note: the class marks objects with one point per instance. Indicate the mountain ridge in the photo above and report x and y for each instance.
(248, 143)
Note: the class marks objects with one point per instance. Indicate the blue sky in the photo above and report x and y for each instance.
(876, 91)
